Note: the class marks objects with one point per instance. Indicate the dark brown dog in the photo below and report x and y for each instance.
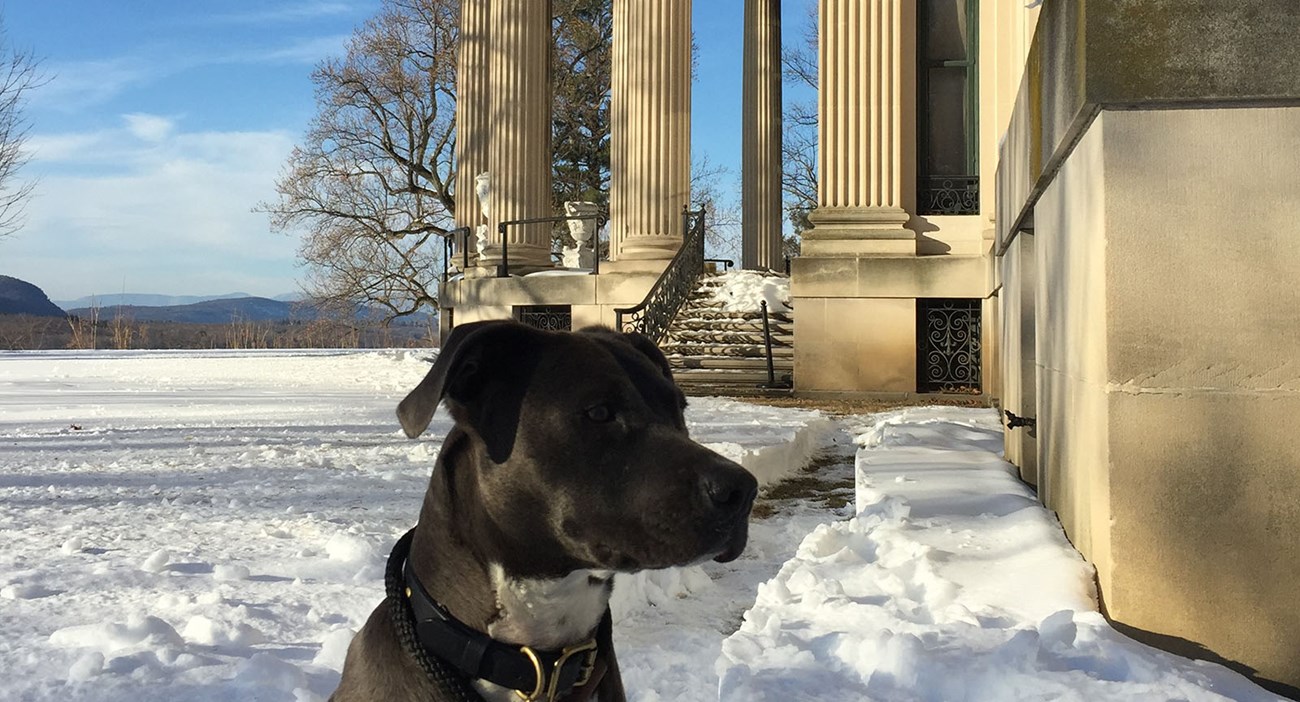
(569, 461)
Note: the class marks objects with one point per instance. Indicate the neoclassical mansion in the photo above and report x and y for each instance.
(1086, 213)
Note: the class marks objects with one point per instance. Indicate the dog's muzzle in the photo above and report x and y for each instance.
(728, 492)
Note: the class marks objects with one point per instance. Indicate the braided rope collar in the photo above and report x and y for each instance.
(451, 653)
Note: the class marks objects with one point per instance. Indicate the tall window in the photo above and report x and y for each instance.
(948, 96)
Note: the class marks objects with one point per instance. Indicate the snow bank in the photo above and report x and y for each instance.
(950, 583)
(744, 291)
(772, 443)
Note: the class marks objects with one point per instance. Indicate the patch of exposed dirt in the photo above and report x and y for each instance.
(826, 481)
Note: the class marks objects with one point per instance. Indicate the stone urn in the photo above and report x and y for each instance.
(482, 187)
(584, 233)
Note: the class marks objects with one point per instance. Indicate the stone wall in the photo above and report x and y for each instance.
(1152, 156)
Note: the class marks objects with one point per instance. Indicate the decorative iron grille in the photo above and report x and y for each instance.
(948, 345)
(660, 305)
(948, 195)
(547, 317)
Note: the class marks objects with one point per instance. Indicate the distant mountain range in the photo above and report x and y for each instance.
(148, 300)
(21, 297)
(220, 311)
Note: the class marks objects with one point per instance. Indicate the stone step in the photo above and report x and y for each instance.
(697, 313)
(715, 381)
(707, 301)
(780, 363)
(734, 324)
(699, 349)
(723, 337)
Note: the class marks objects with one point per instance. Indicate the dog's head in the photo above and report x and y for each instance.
(582, 451)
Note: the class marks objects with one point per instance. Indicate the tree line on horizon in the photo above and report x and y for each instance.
(25, 332)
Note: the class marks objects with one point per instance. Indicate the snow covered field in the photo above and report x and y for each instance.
(212, 526)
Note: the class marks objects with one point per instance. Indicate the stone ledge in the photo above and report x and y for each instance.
(1090, 55)
(889, 277)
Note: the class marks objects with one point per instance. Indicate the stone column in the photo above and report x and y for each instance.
(859, 189)
(761, 221)
(519, 152)
(471, 117)
(650, 130)
(471, 108)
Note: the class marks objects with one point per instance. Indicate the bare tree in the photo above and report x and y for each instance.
(799, 142)
(19, 75)
(722, 216)
(371, 184)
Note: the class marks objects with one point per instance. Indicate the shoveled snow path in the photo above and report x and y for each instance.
(952, 582)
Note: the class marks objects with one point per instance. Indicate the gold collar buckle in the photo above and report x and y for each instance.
(547, 685)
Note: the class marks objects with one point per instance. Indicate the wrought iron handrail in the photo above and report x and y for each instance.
(503, 268)
(675, 284)
(447, 249)
(771, 383)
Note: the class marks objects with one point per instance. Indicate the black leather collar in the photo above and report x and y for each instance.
(535, 675)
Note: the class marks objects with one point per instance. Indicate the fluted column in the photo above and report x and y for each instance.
(650, 139)
(859, 189)
(519, 150)
(761, 222)
(471, 118)
(472, 95)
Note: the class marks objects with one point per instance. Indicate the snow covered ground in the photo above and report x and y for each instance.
(212, 526)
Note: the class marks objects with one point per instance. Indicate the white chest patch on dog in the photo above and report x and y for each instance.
(549, 614)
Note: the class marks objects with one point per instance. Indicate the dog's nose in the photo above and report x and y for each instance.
(728, 487)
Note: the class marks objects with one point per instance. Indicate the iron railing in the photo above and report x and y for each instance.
(503, 268)
(771, 383)
(948, 195)
(448, 249)
(660, 305)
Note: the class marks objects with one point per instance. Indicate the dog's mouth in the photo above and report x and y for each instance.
(722, 543)
(735, 544)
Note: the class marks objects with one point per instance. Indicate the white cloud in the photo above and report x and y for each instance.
(78, 84)
(150, 128)
(154, 208)
(286, 13)
(308, 51)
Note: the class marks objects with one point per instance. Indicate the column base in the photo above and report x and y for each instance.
(858, 231)
(657, 247)
(523, 259)
(651, 266)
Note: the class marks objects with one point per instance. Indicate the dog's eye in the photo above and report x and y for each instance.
(599, 413)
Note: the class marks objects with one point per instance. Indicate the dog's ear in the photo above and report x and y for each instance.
(638, 341)
(482, 371)
(642, 343)
(415, 411)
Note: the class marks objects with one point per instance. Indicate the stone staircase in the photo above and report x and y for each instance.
(715, 352)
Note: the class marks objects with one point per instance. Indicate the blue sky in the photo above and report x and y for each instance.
(164, 123)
